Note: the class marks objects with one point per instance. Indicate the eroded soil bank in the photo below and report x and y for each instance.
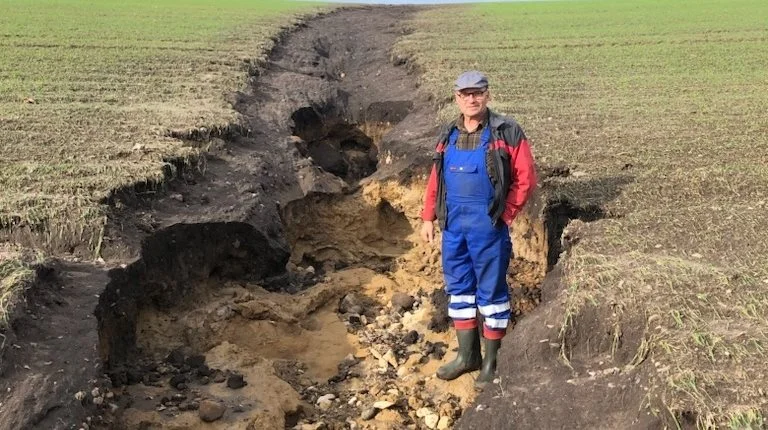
(279, 281)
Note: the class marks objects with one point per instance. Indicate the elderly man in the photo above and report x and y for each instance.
(482, 176)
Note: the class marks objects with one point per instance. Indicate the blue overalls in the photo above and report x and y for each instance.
(475, 252)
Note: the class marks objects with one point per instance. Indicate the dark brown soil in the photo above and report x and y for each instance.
(50, 350)
(536, 390)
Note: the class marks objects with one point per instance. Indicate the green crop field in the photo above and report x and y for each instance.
(659, 109)
(89, 91)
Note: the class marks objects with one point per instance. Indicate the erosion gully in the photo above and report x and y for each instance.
(277, 281)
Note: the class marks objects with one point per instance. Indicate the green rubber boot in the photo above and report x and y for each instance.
(467, 359)
(488, 371)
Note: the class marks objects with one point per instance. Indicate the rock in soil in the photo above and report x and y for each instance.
(325, 402)
(436, 350)
(355, 303)
(402, 302)
(431, 420)
(178, 380)
(444, 423)
(236, 382)
(369, 413)
(423, 412)
(390, 358)
(411, 338)
(383, 404)
(211, 411)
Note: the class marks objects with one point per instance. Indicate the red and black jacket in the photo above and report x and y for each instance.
(513, 173)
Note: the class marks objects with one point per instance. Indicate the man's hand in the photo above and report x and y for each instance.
(428, 232)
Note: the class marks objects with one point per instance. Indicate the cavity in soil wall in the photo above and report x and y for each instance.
(173, 262)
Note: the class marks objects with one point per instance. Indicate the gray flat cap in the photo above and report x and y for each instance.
(471, 79)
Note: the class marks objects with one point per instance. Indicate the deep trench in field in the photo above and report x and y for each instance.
(335, 294)
(306, 329)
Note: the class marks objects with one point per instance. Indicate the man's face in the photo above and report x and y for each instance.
(472, 101)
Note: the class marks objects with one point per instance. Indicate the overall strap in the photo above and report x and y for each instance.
(485, 138)
(454, 136)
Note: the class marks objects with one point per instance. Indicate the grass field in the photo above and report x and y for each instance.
(660, 108)
(89, 91)
(15, 275)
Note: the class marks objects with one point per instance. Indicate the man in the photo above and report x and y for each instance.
(482, 176)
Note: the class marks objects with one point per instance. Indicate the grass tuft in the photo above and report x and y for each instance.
(15, 276)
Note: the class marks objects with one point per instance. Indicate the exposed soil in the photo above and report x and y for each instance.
(602, 389)
(49, 352)
(278, 282)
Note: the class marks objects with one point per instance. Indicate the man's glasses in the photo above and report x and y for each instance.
(466, 95)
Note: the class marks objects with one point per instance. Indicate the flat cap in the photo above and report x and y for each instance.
(471, 79)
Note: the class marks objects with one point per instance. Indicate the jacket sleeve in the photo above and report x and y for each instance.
(523, 178)
(429, 213)
(430, 197)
